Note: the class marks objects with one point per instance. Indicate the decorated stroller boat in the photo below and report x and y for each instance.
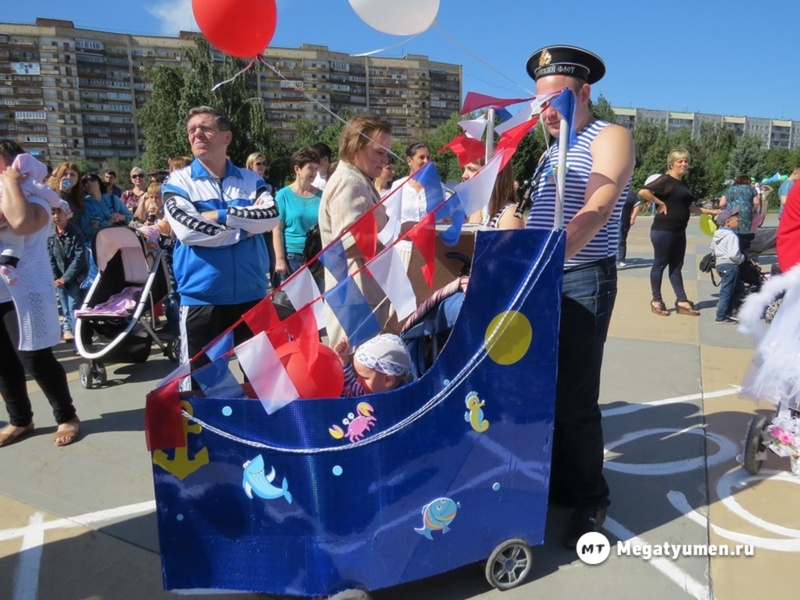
(334, 493)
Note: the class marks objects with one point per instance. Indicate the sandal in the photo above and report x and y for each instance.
(659, 308)
(685, 307)
(66, 433)
(9, 437)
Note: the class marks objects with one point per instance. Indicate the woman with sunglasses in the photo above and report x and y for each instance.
(132, 197)
(101, 209)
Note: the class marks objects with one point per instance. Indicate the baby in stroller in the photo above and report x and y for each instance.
(379, 365)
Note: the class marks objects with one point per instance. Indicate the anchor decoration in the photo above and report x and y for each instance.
(181, 465)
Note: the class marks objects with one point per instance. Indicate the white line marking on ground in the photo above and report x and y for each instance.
(629, 408)
(84, 520)
(685, 581)
(26, 576)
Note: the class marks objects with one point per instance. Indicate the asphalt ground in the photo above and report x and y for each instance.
(79, 522)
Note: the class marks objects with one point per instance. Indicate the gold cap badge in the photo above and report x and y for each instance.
(545, 58)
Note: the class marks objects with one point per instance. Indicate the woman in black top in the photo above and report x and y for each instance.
(675, 202)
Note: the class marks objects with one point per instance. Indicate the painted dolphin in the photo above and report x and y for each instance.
(437, 516)
(255, 481)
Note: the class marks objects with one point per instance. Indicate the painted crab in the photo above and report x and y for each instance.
(356, 425)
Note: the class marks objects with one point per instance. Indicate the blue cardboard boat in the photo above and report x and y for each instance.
(449, 470)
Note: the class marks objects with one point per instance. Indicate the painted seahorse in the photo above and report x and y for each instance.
(474, 414)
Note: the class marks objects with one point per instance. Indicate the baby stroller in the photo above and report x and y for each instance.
(117, 320)
(773, 372)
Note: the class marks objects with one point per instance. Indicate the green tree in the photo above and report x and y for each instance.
(602, 109)
(745, 156)
(175, 91)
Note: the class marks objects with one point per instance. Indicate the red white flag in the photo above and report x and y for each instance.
(266, 374)
(301, 289)
(389, 271)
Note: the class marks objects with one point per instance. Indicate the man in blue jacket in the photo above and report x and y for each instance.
(217, 212)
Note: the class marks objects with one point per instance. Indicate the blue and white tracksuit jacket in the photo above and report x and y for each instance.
(224, 262)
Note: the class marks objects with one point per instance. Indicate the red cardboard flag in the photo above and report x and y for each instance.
(302, 328)
(475, 101)
(262, 317)
(511, 139)
(467, 149)
(163, 421)
(365, 233)
(423, 236)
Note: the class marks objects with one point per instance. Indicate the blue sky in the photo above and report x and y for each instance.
(707, 56)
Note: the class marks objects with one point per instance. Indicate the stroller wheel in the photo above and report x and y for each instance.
(174, 349)
(509, 564)
(85, 371)
(99, 373)
(753, 446)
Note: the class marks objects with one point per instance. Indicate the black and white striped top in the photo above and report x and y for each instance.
(579, 167)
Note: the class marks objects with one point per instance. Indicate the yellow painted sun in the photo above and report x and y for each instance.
(508, 337)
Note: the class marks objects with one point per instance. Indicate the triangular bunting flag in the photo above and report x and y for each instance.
(335, 260)
(389, 271)
(423, 235)
(265, 373)
(352, 311)
(302, 290)
(474, 101)
(220, 347)
(428, 178)
(474, 128)
(466, 149)
(365, 233)
(216, 380)
(453, 209)
(475, 193)
(163, 421)
(565, 104)
(393, 203)
(262, 317)
(302, 328)
(510, 140)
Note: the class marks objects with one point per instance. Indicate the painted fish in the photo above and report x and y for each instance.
(254, 481)
(437, 516)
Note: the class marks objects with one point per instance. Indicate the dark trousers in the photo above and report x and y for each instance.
(731, 290)
(587, 300)
(39, 364)
(624, 228)
(202, 324)
(669, 250)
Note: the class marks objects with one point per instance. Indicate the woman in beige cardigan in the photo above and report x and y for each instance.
(348, 195)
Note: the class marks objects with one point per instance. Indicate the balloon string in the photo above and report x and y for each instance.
(371, 52)
(321, 105)
(478, 58)
(221, 83)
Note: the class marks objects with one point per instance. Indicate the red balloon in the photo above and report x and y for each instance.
(240, 28)
(325, 378)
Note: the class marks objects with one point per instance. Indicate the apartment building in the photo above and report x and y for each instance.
(776, 133)
(67, 93)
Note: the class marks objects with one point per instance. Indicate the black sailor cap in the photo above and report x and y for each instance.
(566, 60)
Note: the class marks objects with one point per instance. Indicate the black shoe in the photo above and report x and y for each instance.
(583, 520)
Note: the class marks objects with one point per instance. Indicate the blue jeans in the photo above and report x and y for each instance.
(70, 296)
(669, 249)
(587, 300)
(731, 289)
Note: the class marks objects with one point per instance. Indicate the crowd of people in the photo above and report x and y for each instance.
(237, 234)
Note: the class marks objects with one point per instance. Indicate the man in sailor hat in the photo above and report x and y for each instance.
(598, 172)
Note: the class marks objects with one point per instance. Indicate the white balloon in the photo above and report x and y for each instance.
(406, 17)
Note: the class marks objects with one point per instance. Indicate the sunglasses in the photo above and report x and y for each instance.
(137, 176)
(259, 164)
(88, 180)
